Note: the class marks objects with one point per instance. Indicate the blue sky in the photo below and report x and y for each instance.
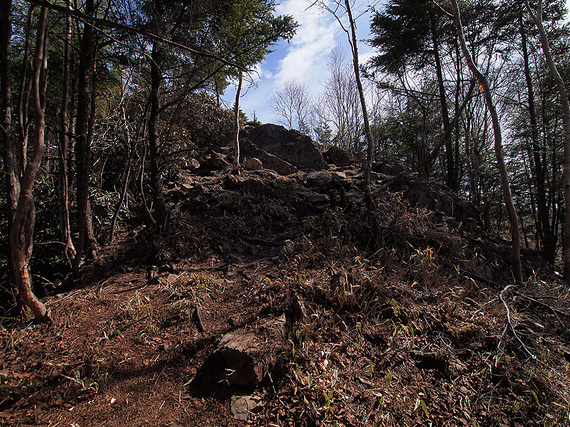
(304, 59)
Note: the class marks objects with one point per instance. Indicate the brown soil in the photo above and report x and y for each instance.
(402, 317)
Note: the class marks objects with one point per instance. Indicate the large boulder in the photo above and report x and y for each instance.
(268, 160)
(339, 157)
(289, 145)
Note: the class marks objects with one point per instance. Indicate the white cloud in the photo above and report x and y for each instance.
(305, 57)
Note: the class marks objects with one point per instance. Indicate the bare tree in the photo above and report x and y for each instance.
(485, 87)
(341, 102)
(536, 16)
(338, 9)
(22, 232)
(293, 106)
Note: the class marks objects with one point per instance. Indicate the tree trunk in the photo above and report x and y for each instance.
(513, 218)
(7, 128)
(86, 244)
(155, 181)
(451, 169)
(125, 187)
(368, 133)
(24, 99)
(22, 232)
(11, 172)
(65, 227)
(236, 123)
(547, 239)
(563, 94)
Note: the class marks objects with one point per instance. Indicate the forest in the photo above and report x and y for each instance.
(394, 252)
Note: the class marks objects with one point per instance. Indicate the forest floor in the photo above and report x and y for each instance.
(400, 317)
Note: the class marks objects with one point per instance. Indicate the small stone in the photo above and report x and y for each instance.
(242, 406)
(252, 163)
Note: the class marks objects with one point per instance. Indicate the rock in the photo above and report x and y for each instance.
(242, 406)
(435, 197)
(252, 163)
(268, 160)
(289, 145)
(213, 162)
(326, 180)
(339, 157)
(390, 167)
(242, 359)
(315, 198)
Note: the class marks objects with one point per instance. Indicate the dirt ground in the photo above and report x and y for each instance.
(399, 317)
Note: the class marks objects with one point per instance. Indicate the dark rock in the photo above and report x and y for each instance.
(327, 180)
(269, 161)
(339, 157)
(389, 167)
(290, 145)
(212, 162)
(435, 197)
(315, 198)
(243, 358)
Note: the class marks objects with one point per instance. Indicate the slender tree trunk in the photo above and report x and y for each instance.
(546, 236)
(432, 156)
(24, 98)
(11, 171)
(513, 218)
(125, 187)
(563, 94)
(155, 179)
(368, 133)
(22, 233)
(451, 169)
(86, 244)
(65, 227)
(236, 122)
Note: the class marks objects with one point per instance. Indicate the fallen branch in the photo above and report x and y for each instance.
(510, 323)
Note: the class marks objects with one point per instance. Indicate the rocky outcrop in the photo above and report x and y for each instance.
(339, 157)
(435, 197)
(269, 161)
(289, 145)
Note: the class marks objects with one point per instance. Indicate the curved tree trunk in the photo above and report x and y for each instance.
(563, 94)
(513, 218)
(22, 233)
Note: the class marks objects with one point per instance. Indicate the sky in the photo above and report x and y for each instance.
(303, 59)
